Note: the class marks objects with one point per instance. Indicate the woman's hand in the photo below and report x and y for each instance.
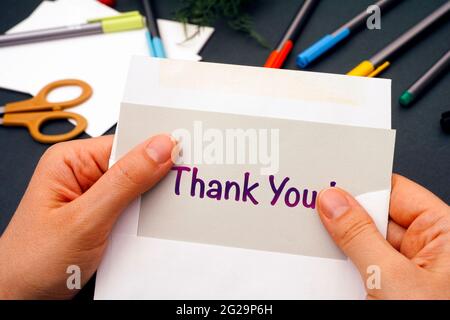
(68, 211)
(415, 260)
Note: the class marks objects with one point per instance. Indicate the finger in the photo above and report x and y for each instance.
(87, 159)
(135, 173)
(353, 230)
(98, 149)
(395, 234)
(409, 200)
(70, 168)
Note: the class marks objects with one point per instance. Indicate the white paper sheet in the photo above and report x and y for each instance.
(101, 60)
(146, 268)
(174, 38)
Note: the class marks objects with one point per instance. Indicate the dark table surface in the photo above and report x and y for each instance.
(422, 149)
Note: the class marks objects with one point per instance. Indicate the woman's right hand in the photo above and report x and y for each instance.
(414, 261)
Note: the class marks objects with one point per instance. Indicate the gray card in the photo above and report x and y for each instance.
(251, 182)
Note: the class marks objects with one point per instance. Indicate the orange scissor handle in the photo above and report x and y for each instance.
(40, 101)
(34, 120)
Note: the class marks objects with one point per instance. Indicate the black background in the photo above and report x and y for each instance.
(422, 149)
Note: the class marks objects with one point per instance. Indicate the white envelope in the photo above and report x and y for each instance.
(148, 268)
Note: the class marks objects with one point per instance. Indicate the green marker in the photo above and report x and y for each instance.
(438, 69)
(122, 22)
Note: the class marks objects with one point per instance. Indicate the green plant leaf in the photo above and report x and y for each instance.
(207, 12)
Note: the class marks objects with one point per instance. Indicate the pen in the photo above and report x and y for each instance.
(155, 44)
(330, 40)
(279, 55)
(420, 85)
(380, 61)
(123, 22)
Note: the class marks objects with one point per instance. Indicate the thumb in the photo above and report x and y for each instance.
(354, 231)
(135, 173)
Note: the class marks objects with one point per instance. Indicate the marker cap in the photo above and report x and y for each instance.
(406, 98)
(151, 49)
(364, 69)
(158, 47)
(320, 47)
(125, 21)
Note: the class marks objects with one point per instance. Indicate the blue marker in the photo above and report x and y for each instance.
(330, 40)
(155, 45)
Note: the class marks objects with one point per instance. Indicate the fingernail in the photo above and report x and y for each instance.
(333, 203)
(160, 148)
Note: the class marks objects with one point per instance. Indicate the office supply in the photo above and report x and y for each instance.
(191, 269)
(279, 55)
(155, 44)
(381, 61)
(101, 60)
(331, 40)
(445, 122)
(438, 69)
(33, 113)
(123, 22)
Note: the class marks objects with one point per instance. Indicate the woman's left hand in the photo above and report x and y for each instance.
(69, 210)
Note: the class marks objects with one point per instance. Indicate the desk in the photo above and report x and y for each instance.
(422, 149)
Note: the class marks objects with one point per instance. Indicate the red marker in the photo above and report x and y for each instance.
(279, 55)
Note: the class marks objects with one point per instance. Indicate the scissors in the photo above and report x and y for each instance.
(32, 113)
